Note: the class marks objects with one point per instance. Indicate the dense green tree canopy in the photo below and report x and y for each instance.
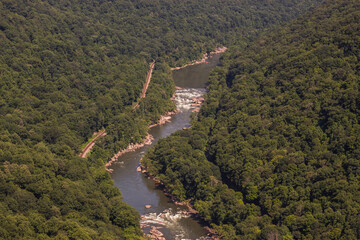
(69, 68)
(281, 123)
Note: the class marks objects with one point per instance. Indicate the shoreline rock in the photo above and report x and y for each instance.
(147, 141)
(212, 235)
(130, 148)
(197, 102)
(154, 232)
(164, 118)
(203, 60)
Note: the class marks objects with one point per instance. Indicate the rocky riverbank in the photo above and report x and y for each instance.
(130, 148)
(164, 118)
(156, 225)
(205, 57)
(197, 102)
(147, 140)
(190, 211)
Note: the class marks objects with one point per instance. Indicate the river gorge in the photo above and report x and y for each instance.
(156, 209)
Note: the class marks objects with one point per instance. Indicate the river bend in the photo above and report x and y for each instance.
(139, 191)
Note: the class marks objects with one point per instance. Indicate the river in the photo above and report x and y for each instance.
(139, 191)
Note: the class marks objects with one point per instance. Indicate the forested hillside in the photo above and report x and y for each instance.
(69, 68)
(274, 152)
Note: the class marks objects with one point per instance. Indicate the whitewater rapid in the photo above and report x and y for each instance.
(184, 97)
(159, 214)
(170, 219)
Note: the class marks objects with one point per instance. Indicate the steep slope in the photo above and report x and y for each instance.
(69, 68)
(280, 128)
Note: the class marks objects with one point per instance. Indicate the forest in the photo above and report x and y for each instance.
(274, 151)
(70, 68)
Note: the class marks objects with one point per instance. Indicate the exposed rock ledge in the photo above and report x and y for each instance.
(131, 148)
(205, 57)
(147, 141)
(212, 234)
(164, 118)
